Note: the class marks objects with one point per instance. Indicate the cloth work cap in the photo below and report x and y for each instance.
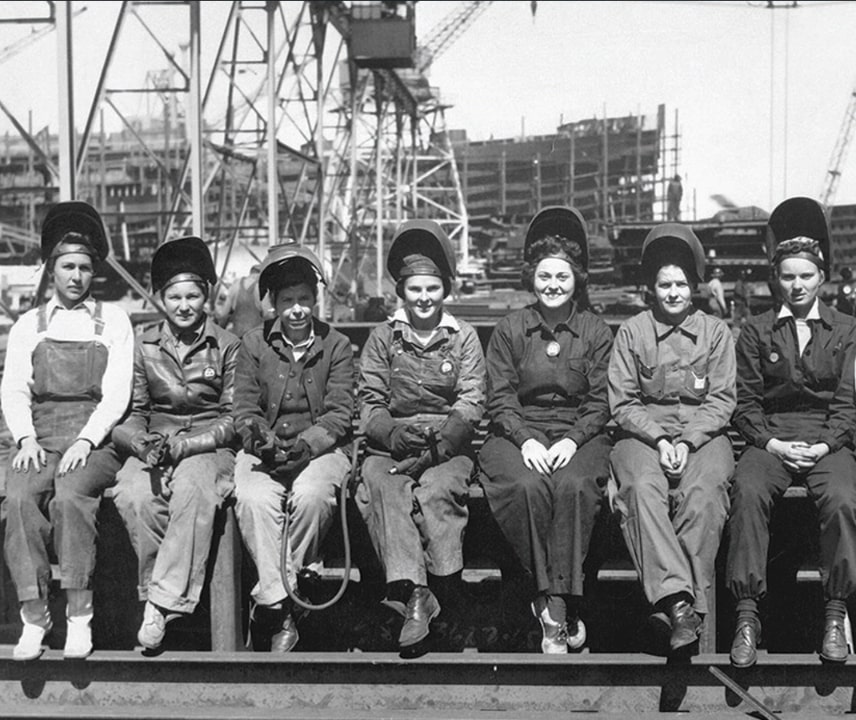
(185, 258)
(420, 247)
(78, 217)
(287, 261)
(672, 244)
(565, 222)
(798, 227)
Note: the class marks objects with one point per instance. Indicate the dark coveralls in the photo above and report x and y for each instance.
(541, 391)
(66, 389)
(417, 524)
(786, 396)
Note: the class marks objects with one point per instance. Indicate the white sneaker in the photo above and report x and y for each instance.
(153, 628)
(29, 645)
(555, 635)
(78, 637)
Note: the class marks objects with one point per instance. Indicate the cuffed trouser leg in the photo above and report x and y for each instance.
(195, 496)
(312, 505)
(73, 511)
(28, 528)
(440, 514)
(141, 500)
(673, 554)
(759, 480)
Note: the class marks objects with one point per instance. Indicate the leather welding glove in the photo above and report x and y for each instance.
(406, 440)
(455, 434)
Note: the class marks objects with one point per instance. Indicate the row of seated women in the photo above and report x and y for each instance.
(268, 417)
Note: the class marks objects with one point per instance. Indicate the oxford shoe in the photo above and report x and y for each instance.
(834, 647)
(744, 647)
(287, 637)
(685, 623)
(422, 608)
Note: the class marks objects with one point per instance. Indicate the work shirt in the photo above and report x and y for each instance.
(786, 395)
(672, 381)
(548, 383)
(69, 325)
(310, 399)
(402, 378)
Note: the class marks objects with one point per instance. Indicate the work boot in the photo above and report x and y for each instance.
(834, 646)
(273, 628)
(37, 623)
(422, 608)
(685, 623)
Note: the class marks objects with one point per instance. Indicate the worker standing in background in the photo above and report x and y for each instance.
(243, 309)
(716, 303)
(674, 195)
(742, 298)
(66, 382)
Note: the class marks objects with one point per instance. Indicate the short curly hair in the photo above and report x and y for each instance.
(556, 246)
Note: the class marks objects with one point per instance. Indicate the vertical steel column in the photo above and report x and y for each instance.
(318, 35)
(67, 170)
(379, 185)
(272, 174)
(197, 181)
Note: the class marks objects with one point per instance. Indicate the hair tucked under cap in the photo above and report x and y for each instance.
(287, 265)
(180, 260)
(672, 244)
(421, 247)
(798, 228)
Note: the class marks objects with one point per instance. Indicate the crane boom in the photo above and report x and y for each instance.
(839, 152)
(447, 31)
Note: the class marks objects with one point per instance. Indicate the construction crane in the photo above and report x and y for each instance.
(447, 31)
(839, 153)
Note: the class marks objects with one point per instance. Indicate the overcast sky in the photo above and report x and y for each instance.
(760, 94)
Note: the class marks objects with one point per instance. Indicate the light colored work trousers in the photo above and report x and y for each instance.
(260, 507)
(170, 520)
(673, 528)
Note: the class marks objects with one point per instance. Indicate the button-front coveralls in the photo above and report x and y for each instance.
(788, 396)
(677, 383)
(548, 385)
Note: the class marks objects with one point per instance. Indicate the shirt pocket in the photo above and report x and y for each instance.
(774, 366)
(578, 371)
(441, 375)
(696, 380)
(650, 378)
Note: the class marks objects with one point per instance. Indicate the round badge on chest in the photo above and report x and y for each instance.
(553, 348)
(774, 356)
(445, 367)
(209, 373)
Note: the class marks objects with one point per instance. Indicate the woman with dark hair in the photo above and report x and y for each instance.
(294, 400)
(421, 396)
(672, 392)
(66, 383)
(178, 438)
(545, 464)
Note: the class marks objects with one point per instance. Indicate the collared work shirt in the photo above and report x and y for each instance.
(786, 395)
(76, 324)
(548, 383)
(401, 378)
(674, 382)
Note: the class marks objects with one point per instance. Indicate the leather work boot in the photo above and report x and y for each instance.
(554, 635)
(744, 647)
(273, 628)
(685, 623)
(834, 647)
(422, 608)
(287, 637)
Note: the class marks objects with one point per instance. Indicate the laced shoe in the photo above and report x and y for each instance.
(287, 637)
(153, 628)
(422, 608)
(576, 632)
(554, 639)
(78, 637)
(29, 645)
